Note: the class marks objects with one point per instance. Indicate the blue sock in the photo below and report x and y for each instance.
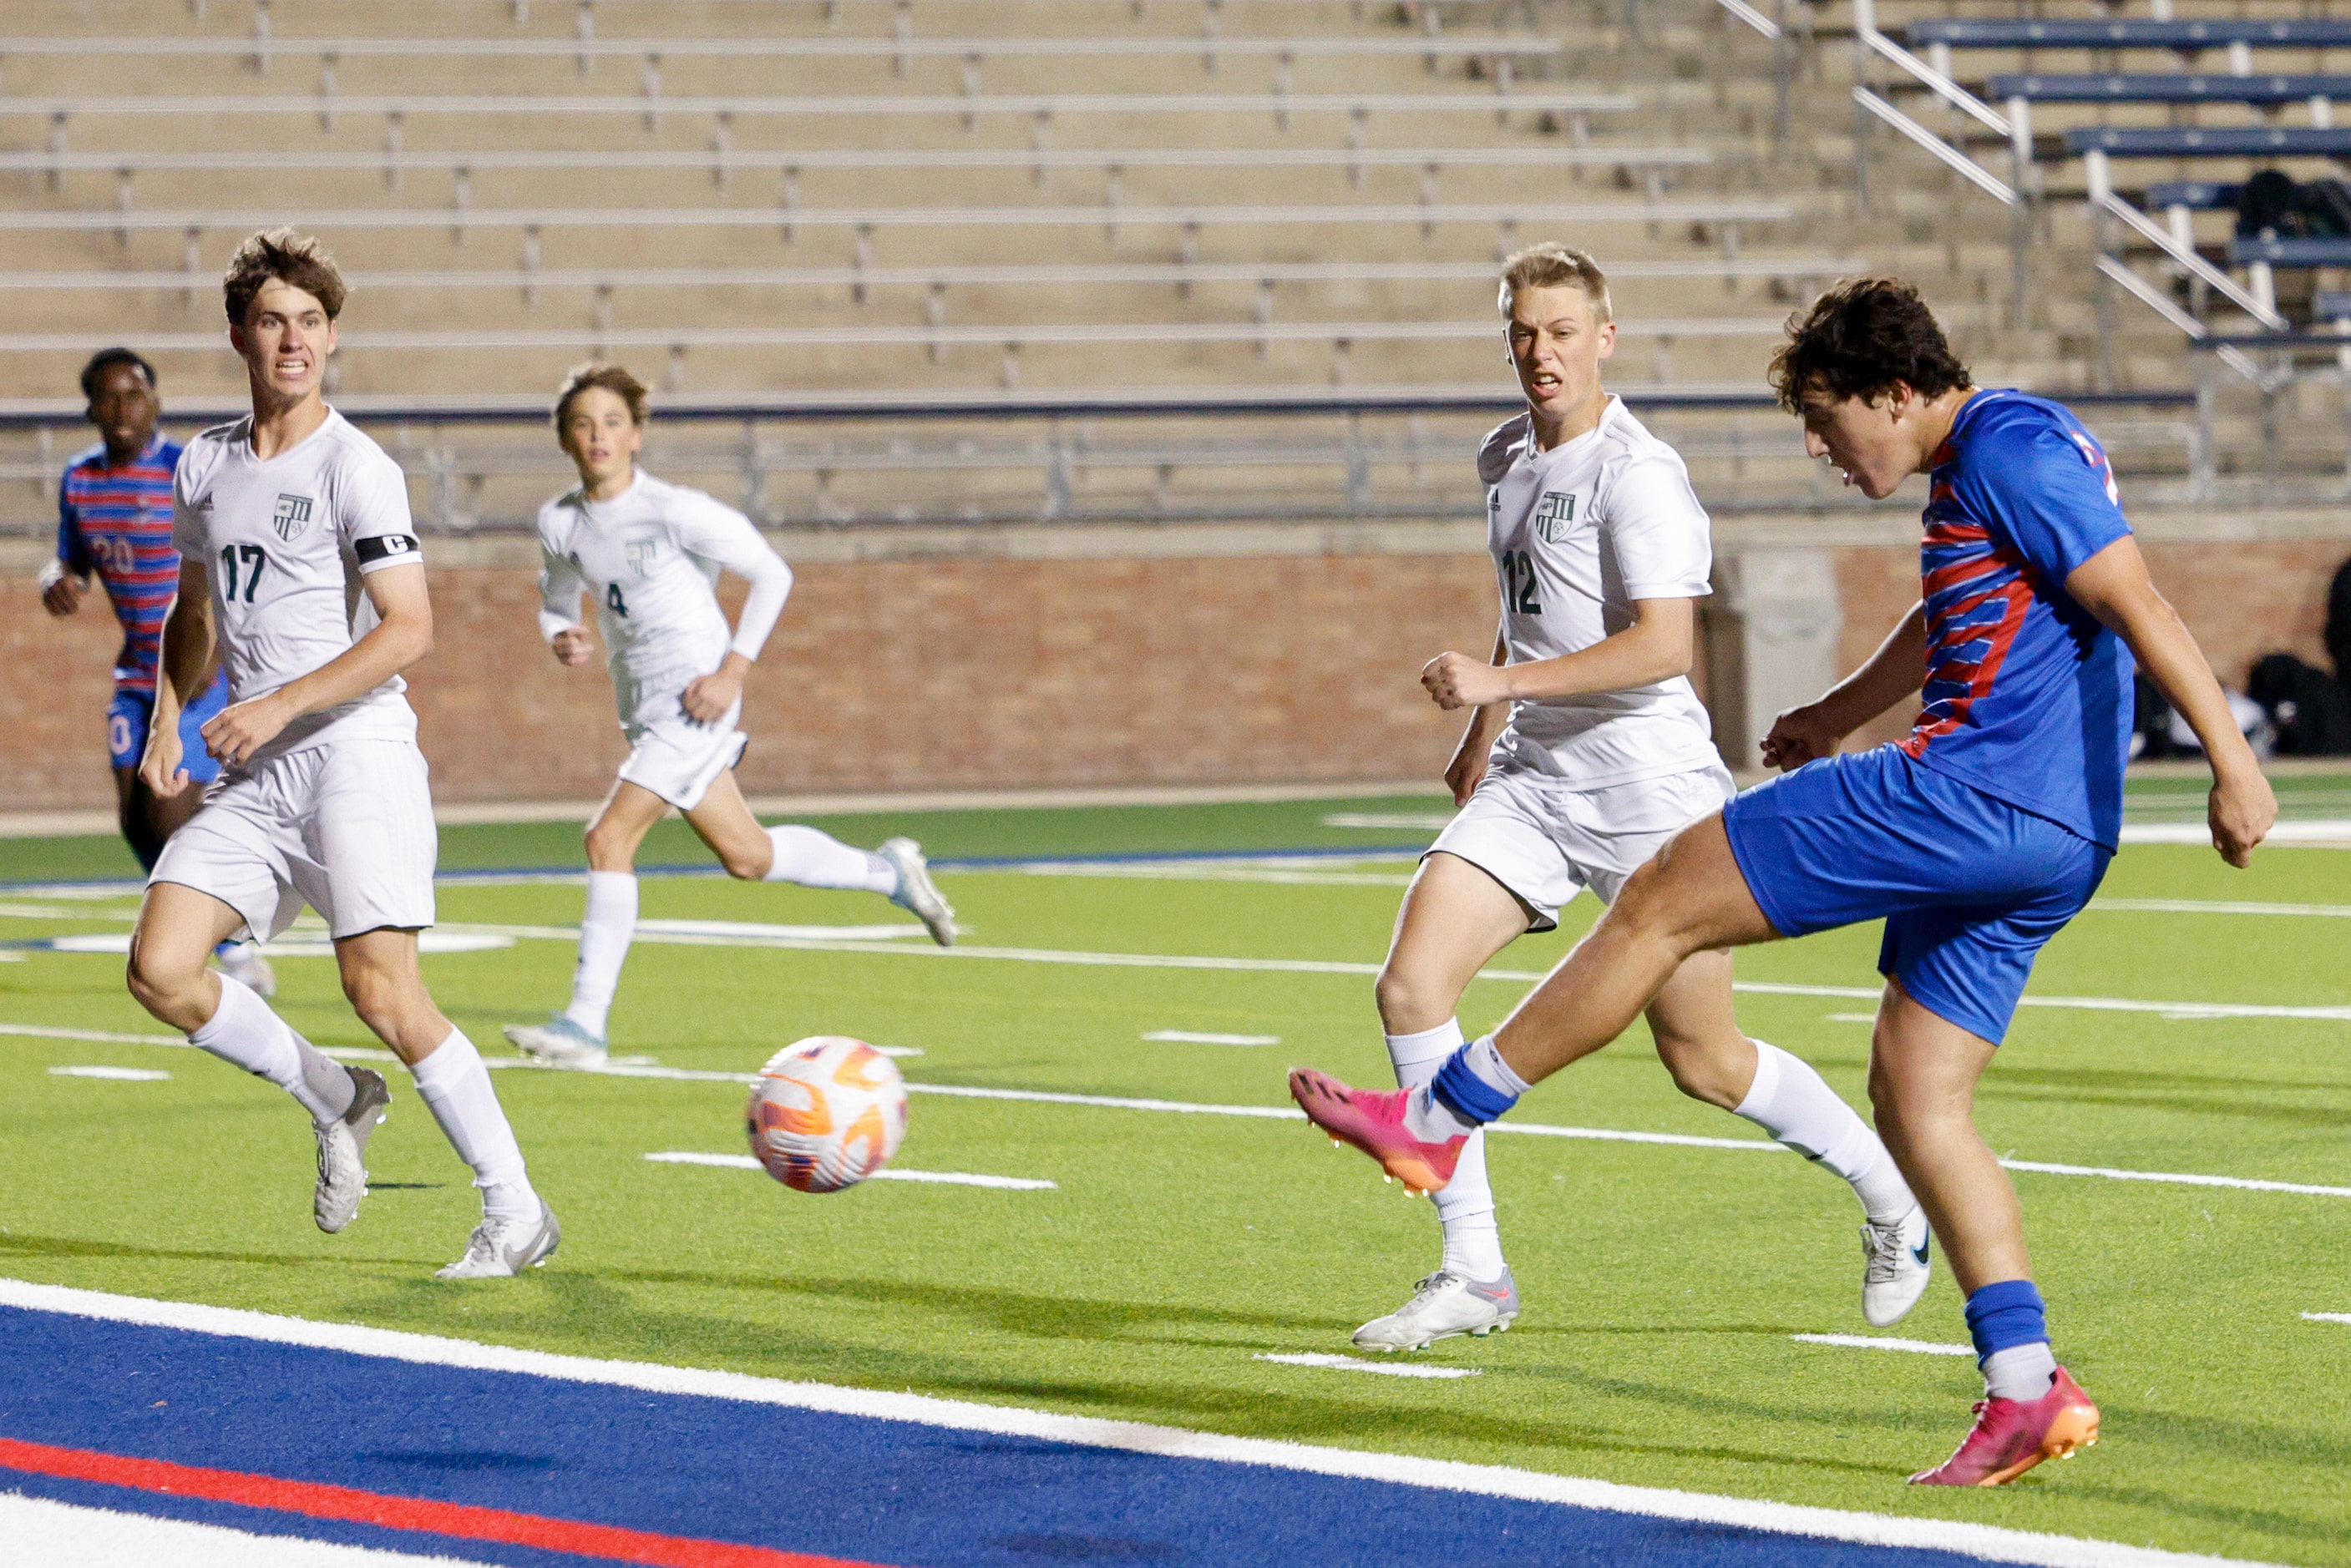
(1469, 1094)
(2010, 1330)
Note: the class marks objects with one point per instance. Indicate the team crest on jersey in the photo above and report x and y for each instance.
(293, 515)
(643, 553)
(1555, 515)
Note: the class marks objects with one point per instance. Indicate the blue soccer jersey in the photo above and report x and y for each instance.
(2028, 698)
(117, 523)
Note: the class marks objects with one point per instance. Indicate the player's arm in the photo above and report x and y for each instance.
(2114, 586)
(402, 635)
(1468, 769)
(1660, 644)
(1894, 672)
(559, 587)
(65, 576)
(183, 663)
(723, 535)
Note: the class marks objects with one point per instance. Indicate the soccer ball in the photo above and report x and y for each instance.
(827, 1113)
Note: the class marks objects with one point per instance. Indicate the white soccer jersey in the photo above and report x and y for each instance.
(285, 541)
(651, 557)
(1578, 533)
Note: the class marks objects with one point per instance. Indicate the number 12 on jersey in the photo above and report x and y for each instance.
(1518, 583)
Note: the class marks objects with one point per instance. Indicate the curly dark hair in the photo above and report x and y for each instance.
(294, 258)
(1861, 338)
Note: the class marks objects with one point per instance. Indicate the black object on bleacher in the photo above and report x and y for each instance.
(2277, 207)
(2089, 88)
(2310, 709)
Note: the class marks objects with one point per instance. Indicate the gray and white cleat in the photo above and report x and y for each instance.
(243, 962)
(501, 1249)
(1895, 1267)
(916, 892)
(342, 1151)
(558, 1042)
(1444, 1304)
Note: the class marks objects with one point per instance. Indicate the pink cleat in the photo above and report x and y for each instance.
(1373, 1120)
(2011, 1435)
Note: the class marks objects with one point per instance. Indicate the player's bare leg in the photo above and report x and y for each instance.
(386, 988)
(147, 819)
(1699, 1039)
(1454, 920)
(812, 858)
(177, 931)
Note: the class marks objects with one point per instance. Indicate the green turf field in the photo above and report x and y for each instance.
(1662, 1283)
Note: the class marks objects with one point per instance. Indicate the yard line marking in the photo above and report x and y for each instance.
(2216, 906)
(1280, 872)
(96, 1036)
(2326, 1317)
(1991, 1542)
(321, 946)
(753, 928)
(887, 1173)
(1433, 820)
(123, 1074)
(2317, 831)
(47, 1531)
(1345, 966)
(1850, 1017)
(1865, 1341)
(1193, 1037)
(1349, 1364)
(2176, 1178)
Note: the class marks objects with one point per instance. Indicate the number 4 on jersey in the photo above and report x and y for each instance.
(613, 597)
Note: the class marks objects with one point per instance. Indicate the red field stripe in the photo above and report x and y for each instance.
(353, 1506)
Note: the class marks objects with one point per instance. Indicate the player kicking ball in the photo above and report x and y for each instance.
(649, 554)
(1975, 839)
(114, 524)
(1604, 753)
(299, 563)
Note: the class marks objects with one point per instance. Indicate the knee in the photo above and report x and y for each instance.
(1699, 1070)
(377, 997)
(169, 990)
(1409, 1002)
(745, 863)
(602, 843)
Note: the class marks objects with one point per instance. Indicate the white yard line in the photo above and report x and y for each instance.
(65, 1535)
(1195, 1037)
(96, 1036)
(122, 1075)
(2315, 832)
(888, 1173)
(1381, 1368)
(2216, 906)
(2326, 1317)
(1865, 1341)
(1992, 1542)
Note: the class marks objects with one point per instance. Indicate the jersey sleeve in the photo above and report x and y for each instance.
(712, 530)
(2049, 488)
(372, 512)
(1659, 531)
(188, 531)
(73, 553)
(559, 587)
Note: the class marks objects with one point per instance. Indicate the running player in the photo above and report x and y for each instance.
(1975, 839)
(299, 563)
(1604, 753)
(648, 552)
(114, 523)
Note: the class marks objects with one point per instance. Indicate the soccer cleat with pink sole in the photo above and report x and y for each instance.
(2011, 1435)
(1373, 1120)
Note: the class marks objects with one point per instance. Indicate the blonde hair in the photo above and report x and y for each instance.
(1555, 265)
(611, 378)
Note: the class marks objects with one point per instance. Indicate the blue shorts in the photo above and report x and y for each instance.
(1969, 886)
(128, 716)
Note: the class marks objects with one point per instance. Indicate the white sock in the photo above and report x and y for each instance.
(816, 859)
(1473, 1239)
(2020, 1371)
(1796, 1105)
(244, 1031)
(456, 1087)
(605, 932)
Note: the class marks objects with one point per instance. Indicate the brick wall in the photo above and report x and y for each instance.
(973, 672)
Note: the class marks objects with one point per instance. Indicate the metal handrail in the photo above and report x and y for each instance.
(1751, 16)
(1991, 184)
(1864, 26)
(2147, 294)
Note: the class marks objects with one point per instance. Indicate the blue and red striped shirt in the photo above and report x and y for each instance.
(2027, 696)
(117, 523)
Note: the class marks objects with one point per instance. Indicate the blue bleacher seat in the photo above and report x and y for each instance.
(2085, 88)
(2296, 252)
(2213, 141)
(2203, 195)
(2303, 33)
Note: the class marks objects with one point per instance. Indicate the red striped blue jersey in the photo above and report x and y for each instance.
(117, 523)
(2027, 696)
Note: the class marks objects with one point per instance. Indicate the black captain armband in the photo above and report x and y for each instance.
(383, 547)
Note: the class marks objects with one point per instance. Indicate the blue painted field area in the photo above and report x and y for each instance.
(700, 1471)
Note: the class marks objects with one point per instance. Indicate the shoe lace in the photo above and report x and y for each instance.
(1430, 1284)
(1884, 1247)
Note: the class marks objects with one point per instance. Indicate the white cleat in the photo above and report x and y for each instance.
(501, 1249)
(243, 962)
(917, 893)
(342, 1151)
(1444, 1304)
(1896, 1267)
(558, 1042)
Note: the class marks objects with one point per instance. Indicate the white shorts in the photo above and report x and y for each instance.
(1544, 839)
(679, 760)
(345, 827)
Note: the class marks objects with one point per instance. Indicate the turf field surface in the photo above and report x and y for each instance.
(1665, 1281)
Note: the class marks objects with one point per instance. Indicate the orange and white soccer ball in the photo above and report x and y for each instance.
(827, 1113)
